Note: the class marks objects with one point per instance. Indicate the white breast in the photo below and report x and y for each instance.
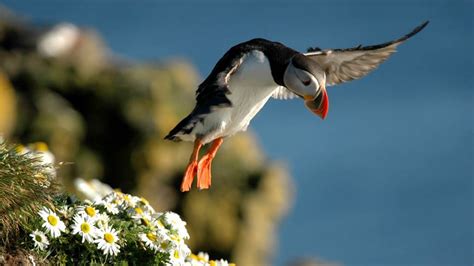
(251, 86)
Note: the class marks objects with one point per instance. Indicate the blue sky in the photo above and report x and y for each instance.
(387, 177)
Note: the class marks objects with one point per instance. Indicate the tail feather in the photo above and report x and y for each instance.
(184, 127)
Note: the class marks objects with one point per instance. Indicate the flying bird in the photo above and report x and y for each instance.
(251, 73)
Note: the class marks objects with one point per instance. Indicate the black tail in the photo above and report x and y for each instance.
(184, 127)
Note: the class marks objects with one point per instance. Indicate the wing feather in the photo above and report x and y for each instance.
(342, 65)
(282, 93)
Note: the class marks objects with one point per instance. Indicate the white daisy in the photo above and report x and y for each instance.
(203, 256)
(40, 240)
(178, 255)
(66, 212)
(130, 201)
(147, 221)
(173, 219)
(109, 206)
(183, 250)
(138, 214)
(107, 241)
(166, 244)
(175, 259)
(84, 226)
(52, 223)
(115, 197)
(46, 157)
(150, 240)
(88, 210)
(102, 220)
(20, 149)
(92, 189)
(176, 248)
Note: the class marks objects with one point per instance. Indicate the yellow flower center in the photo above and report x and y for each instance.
(41, 146)
(52, 220)
(127, 198)
(109, 238)
(151, 236)
(176, 254)
(164, 245)
(20, 148)
(139, 210)
(90, 211)
(212, 263)
(85, 228)
(38, 238)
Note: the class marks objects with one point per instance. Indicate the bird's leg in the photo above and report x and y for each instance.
(204, 167)
(192, 168)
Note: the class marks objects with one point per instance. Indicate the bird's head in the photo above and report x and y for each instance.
(307, 79)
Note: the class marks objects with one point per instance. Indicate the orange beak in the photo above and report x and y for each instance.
(319, 105)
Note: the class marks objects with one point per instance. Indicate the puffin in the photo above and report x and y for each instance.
(252, 72)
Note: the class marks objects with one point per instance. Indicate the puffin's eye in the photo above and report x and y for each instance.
(306, 82)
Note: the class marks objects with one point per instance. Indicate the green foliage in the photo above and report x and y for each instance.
(25, 186)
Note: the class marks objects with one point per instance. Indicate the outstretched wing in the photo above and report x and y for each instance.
(343, 65)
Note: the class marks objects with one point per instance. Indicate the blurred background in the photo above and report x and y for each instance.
(386, 179)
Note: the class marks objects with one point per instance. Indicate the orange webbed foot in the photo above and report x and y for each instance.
(188, 177)
(204, 172)
(192, 168)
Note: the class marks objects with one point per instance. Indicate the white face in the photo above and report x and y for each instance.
(301, 82)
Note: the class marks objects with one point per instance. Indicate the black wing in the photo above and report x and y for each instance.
(343, 65)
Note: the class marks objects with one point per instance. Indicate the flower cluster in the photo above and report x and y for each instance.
(117, 227)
